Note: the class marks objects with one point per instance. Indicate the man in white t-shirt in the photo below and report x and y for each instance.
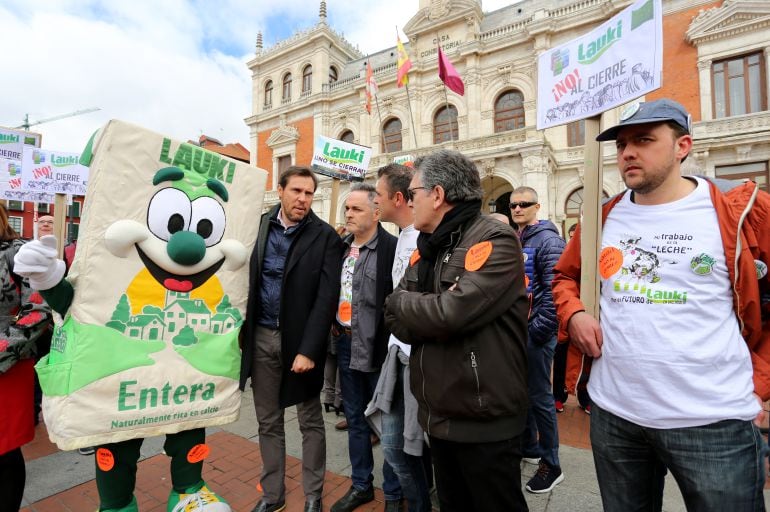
(400, 433)
(678, 362)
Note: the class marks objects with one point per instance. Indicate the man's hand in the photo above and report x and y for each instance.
(36, 260)
(586, 333)
(302, 364)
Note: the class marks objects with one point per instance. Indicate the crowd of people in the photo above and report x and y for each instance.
(442, 342)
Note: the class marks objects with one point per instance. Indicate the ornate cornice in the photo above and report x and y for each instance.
(732, 18)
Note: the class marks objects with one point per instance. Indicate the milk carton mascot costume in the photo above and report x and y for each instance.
(147, 339)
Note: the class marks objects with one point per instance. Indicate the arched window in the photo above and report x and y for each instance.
(307, 79)
(286, 95)
(445, 125)
(332, 74)
(347, 136)
(391, 132)
(269, 94)
(509, 111)
(572, 207)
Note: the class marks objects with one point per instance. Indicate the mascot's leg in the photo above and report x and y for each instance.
(190, 494)
(116, 475)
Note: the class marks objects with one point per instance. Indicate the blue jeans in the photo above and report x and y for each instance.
(718, 467)
(357, 390)
(409, 469)
(541, 435)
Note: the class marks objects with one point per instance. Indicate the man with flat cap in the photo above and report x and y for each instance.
(680, 359)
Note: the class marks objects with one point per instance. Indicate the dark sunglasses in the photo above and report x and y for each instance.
(522, 204)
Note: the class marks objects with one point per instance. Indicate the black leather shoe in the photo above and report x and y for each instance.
(353, 499)
(393, 506)
(263, 506)
(313, 505)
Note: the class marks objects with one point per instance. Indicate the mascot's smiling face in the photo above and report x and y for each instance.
(181, 244)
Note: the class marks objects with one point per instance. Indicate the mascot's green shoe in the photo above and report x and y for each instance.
(197, 499)
(131, 507)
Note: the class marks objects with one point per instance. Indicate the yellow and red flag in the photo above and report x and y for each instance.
(404, 64)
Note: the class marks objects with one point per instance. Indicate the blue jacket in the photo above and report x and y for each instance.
(542, 246)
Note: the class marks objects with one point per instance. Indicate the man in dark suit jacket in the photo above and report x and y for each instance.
(293, 293)
(363, 339)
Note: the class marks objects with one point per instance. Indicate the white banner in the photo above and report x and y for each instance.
(340, 159)
(11, 184)
(619, 61)
(53, 172)
(12, 143)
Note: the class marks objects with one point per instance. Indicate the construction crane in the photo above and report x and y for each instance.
(26, 124)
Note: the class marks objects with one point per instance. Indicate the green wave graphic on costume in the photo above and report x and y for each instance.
(99, 352)
(227, 362)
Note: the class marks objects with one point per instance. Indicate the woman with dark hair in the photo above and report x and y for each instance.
(23, 317)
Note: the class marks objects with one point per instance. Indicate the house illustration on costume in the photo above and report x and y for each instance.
(179, 311)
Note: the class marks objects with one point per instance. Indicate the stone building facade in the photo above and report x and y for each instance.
(715, 63)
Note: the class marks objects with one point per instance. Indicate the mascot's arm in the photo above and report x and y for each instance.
(37, 262)
(59, 297)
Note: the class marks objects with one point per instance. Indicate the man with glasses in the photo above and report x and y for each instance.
(463, 309)
(542, 246)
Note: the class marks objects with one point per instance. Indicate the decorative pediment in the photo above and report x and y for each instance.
(284, 135)
(731, 18)
(442, 12)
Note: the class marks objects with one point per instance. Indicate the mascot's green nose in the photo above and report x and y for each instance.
(186, 248)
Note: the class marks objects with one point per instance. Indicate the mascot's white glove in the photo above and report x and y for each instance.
(36, 260)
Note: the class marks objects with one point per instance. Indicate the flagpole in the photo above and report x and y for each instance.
(446, 96)
(408, 100)
(411, 117)
(382, 128)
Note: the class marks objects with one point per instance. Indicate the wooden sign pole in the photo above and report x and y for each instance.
(60, 223)
(335, 198)
(590, 224)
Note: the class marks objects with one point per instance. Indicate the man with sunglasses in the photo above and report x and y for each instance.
(680, 358)
(542, 246)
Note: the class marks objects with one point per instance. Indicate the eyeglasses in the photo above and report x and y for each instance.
(522, 204)
(411, 190)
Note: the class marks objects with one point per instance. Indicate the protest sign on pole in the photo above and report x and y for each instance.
(11, 184)
(341, 161)
(619, 61)
(53, 172)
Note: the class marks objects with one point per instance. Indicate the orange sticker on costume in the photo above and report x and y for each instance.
(610, 261)
(197, 453)
(414, 258)
(477, 255)
(104, 459)
(345, 312)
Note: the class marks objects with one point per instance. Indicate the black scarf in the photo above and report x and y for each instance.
(430, 244)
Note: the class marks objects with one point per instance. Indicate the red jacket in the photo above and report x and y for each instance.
(744, 223)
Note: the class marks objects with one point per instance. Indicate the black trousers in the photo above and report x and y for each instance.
(478, 476)
(12, 478)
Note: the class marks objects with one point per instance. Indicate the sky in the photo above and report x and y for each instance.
(177, 67)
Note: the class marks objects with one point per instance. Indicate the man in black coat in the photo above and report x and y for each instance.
(293, 293)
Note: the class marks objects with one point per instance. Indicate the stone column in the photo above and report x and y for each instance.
(706, 100)
(537, 172)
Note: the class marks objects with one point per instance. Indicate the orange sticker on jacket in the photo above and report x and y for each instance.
(197, 453)
(414, 258)
(345, 312)
(104, 459)
(477, 255)
(526, 281)
(610, 261)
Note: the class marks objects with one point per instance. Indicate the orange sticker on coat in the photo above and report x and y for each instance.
(477, 255)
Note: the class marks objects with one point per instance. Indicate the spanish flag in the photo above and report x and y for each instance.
(404, 64)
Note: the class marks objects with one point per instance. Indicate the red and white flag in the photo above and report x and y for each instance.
(371, 87)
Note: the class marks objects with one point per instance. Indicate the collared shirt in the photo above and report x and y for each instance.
(279, 240)
(363, 310)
